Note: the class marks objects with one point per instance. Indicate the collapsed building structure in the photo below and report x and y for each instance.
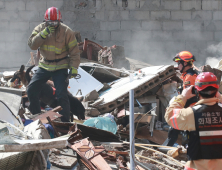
(33, 141)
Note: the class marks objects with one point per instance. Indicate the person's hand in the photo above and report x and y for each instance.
(218, 94)
(187, 92)
(47, 30)
(74, 72)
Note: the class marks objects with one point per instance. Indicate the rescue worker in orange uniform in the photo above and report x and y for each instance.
(203, 121)
(185, 61)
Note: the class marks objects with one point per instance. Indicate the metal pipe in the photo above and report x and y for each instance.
(140, 106)
(132, 147)
(152, 124)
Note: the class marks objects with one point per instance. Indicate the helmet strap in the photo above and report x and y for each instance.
(183, 66)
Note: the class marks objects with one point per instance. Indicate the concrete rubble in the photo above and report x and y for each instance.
(42, 141)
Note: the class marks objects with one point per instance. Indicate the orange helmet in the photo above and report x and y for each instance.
(184, 56)
(205, 80)
(53, 14)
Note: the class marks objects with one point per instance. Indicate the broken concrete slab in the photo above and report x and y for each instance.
(65, 162)
(93, 95)
(8, 74)
(34, 145)
(37, 130)
(167, 92)
(5, 137)
(215, 71)
(119, 93)
(13, 131)
(92, 112)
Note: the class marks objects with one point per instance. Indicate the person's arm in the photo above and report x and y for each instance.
(218, 95)
(38, 36)
(178, 117)
(73, 49)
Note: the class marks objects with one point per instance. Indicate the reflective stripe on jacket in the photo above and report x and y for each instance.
(57, 45)
(206, 141)
(183, 119)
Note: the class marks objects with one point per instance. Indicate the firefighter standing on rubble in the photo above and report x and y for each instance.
(59, 51)
(185, 61)
(203, 121)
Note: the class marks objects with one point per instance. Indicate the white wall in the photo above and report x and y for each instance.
(151, 30)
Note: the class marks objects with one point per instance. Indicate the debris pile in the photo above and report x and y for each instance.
(100, 141)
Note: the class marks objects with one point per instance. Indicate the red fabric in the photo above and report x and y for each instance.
(54, 90)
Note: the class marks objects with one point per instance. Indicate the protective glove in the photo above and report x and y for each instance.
(73, 72)
(47, 31)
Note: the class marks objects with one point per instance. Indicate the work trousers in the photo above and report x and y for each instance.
(172, 137)
(34, 88)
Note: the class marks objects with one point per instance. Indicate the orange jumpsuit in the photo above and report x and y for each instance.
(189, 77)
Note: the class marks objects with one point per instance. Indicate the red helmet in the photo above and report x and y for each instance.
(185, 56)
(53, 14)
(205, 80)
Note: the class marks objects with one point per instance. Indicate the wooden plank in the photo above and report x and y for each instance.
(75, 148)
(51, 114)
(51, 123)
(158, 137)
(119, 152)
(100, 163)
(138, 117)
(141, 118)
(41, 145)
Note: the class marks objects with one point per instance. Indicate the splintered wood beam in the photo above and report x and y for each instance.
(57, 109)
(51, 123)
